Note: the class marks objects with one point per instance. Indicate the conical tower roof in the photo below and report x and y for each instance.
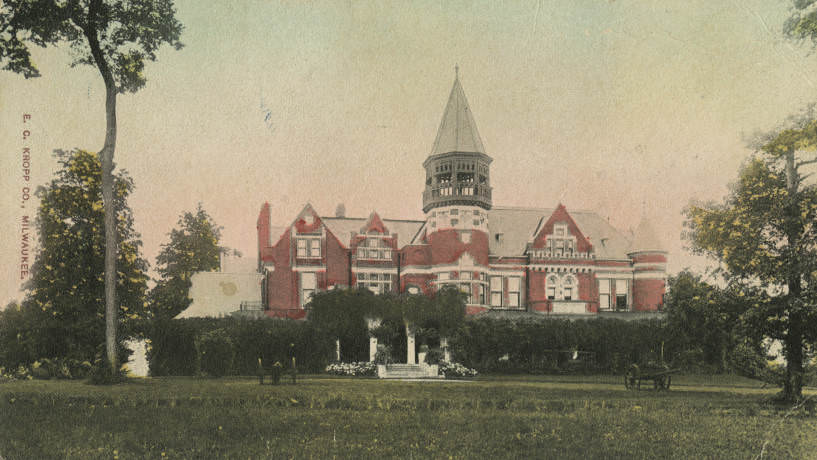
(458, 131)
(645, 239)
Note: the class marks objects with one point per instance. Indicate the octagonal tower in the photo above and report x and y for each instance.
(457, 170)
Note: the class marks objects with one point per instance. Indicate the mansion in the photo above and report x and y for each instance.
(548, 261)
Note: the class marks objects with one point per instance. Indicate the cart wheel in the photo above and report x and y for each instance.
(630, 377)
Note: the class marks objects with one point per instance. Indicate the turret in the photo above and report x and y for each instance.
(457, 170)
(649, 259)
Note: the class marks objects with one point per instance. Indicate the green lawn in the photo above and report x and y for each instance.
(322, 417)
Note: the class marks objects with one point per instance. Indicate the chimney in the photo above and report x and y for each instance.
(340, 211)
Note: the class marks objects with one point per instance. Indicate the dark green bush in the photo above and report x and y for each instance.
(215, 353)
(172, 349)
(546, 346)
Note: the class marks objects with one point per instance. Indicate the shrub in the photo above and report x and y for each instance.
(352, 369)
(383, 355)
(215, 352)
(456, 370)
(172, 344)
(434, 356)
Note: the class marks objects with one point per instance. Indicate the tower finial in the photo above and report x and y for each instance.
(456, 71)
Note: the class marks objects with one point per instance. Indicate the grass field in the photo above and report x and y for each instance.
(322, 417)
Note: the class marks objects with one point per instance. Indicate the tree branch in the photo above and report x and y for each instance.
(805, 162)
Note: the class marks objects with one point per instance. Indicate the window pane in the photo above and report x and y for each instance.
(551, 293)
(604, 286)
(568, 293)
(387, 254)
(465, 275)
(513, 299)
(361, 253)
(496, 283)
(621, 301)
(301, 244)
(621, 287)
(361, 276)
(496, 299)
(513, 284)
(443, 276)
(315, 248)
(308, 280)
(604, 301)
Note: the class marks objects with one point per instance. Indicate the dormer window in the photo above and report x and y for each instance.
(308, 248)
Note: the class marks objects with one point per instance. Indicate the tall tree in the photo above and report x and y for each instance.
(116, 37)
(193, 247)
(766, 233)
(67, 275)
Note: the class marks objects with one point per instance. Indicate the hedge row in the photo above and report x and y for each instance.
(232, 346)
(492, 345)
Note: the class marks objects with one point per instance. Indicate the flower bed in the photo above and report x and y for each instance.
(353, 369)
(455, 370)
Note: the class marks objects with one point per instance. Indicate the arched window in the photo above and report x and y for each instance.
(570, 287)
(552, 287)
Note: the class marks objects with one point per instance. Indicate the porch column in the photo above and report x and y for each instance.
(372, 323)
(337, 350)
(444, 346)
(372, 348)
(410, 345)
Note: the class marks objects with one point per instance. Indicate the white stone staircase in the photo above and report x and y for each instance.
(408, 371)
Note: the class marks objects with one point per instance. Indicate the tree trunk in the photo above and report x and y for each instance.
(793, 343)
(108, 198)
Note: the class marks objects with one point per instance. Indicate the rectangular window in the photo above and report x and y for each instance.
(454, 222)
(455, 212)
(466, 275)
(551, 293)
(387, 254)
(621, 295)
(481, 290)
(604, 294)
(514, 295)
(466, 289)
(302, 248)
(443, 276)
(361, 253)
(568, 293)
(309, 282)
(314, 248)
(496, 291)
(373, 253)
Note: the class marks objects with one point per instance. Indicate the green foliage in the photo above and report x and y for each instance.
(547, 346)
(765, 236)
(215, 353)
(343, 314)
(802, 24)
(709, 323)
(127, 33)
(63, 314)
(173, 344)
(193, 247)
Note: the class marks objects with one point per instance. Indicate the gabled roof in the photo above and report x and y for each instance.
(343, 227)
(374, 224)
(517, 226)
(458, 131)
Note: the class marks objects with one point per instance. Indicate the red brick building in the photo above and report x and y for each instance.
(547, 261)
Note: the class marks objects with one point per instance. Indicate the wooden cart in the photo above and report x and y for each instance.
(660, 375)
